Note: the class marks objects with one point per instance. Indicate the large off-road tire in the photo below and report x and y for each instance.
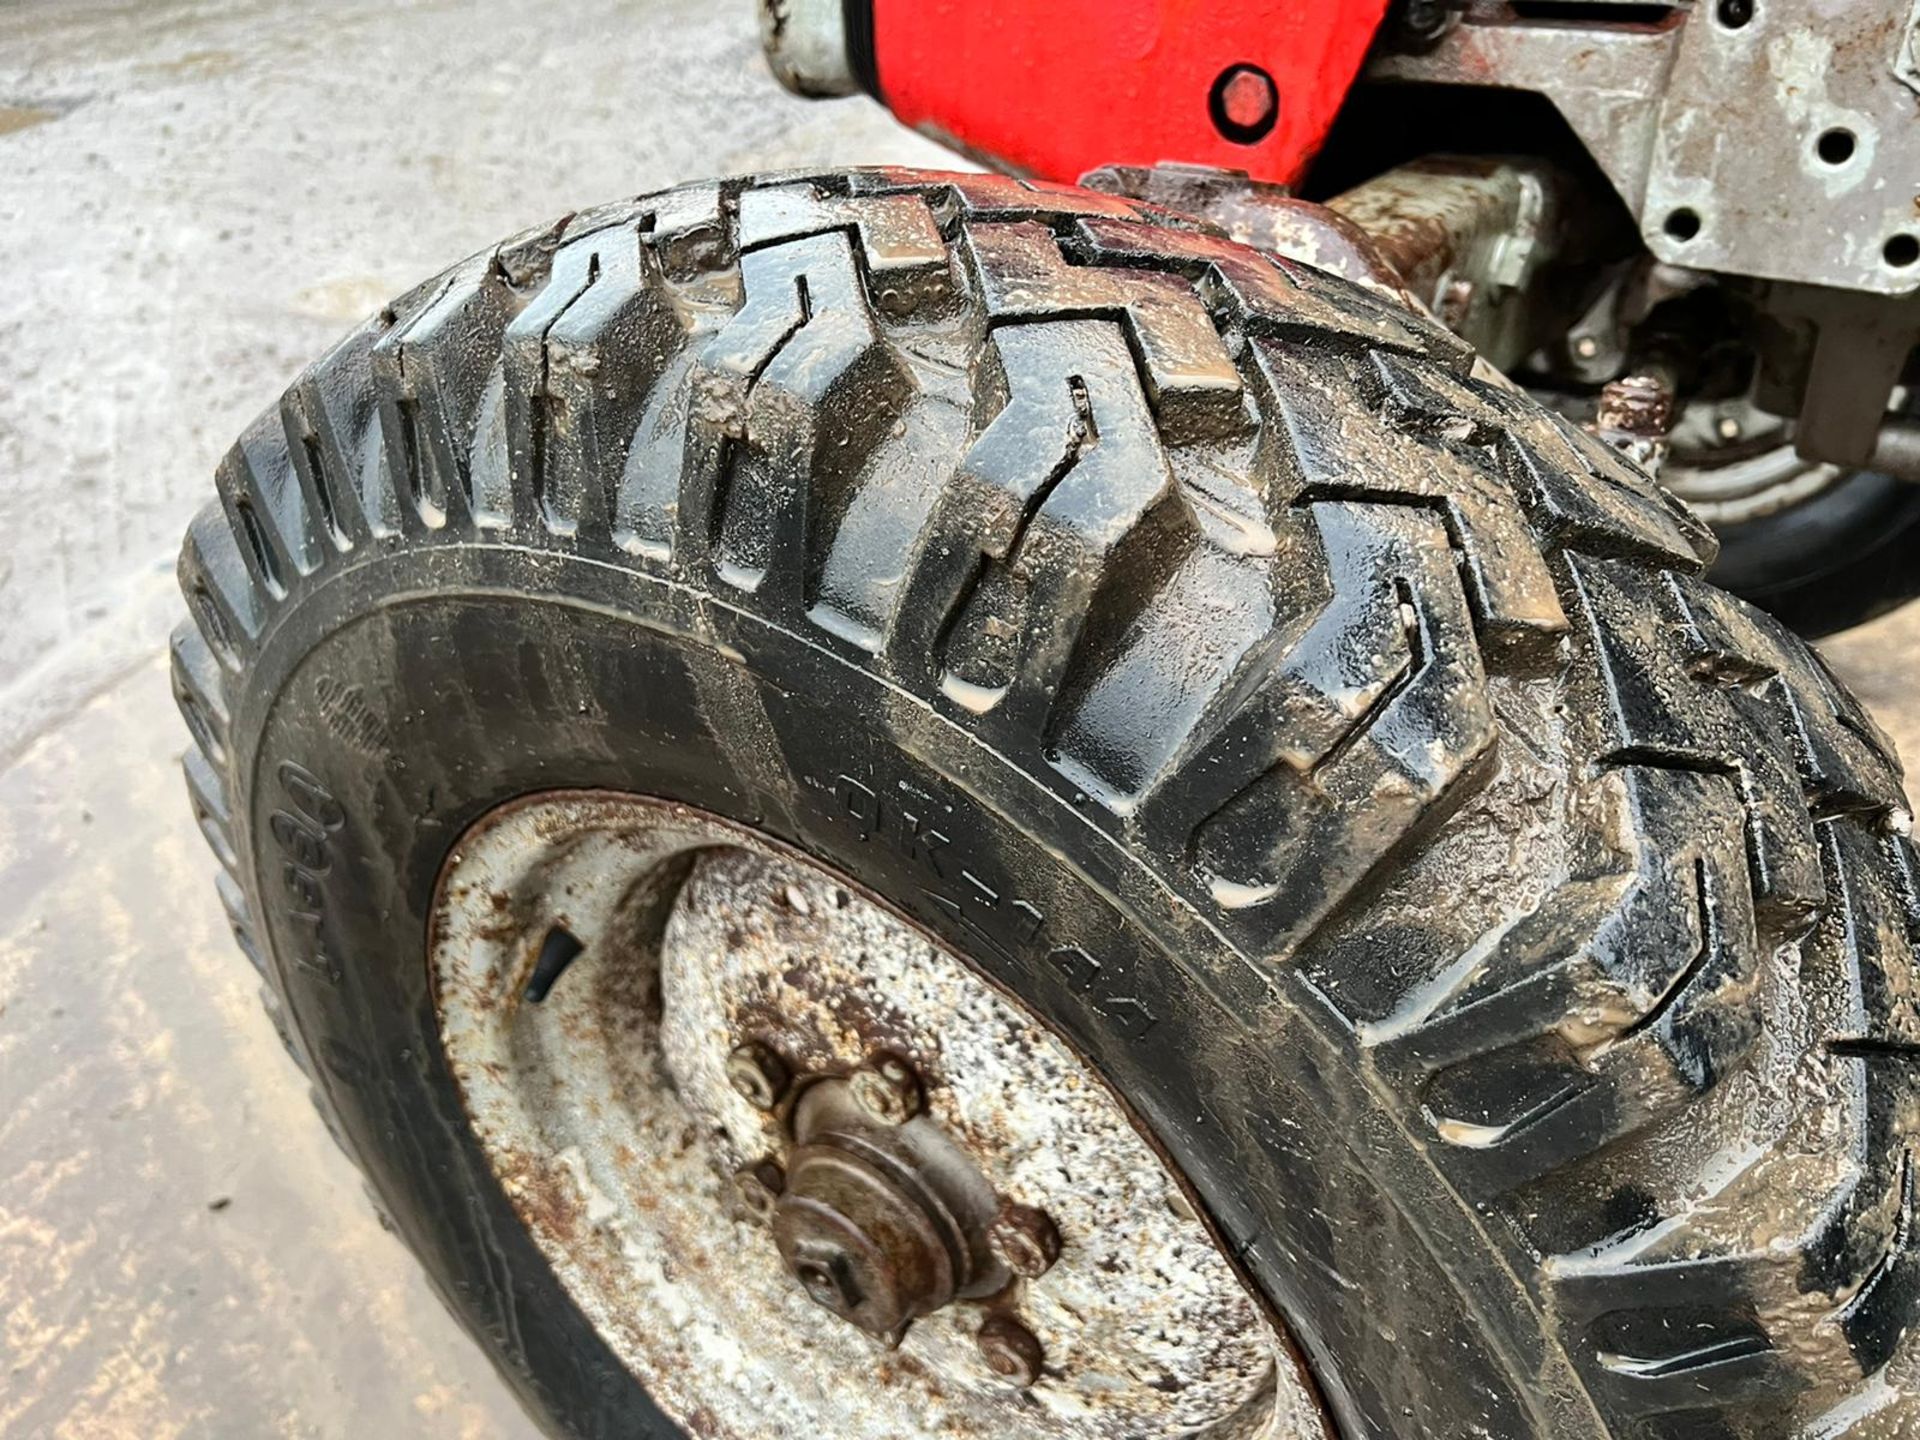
(1510, 935)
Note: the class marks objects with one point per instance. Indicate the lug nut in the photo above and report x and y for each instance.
(888, 1090)
(760, 1076)
(759, 1187)
(1025, 1239)
(1010, 1350)
(1636, 405)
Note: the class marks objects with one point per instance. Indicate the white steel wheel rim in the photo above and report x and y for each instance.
(606, 1112)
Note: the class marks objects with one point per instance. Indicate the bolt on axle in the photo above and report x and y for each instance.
(759, 1187)
(1010, 1350)
(760, 1077)
(1025, 1239)
(888, 1090)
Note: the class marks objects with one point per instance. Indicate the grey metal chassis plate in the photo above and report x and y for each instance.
(1726, 122)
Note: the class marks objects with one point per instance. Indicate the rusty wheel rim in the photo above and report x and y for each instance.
(804, 1170)
(1746, 475)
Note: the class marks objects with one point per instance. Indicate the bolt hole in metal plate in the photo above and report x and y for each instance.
(1836, 146)
(1683, 224)
(598, 961)
(1735, 112)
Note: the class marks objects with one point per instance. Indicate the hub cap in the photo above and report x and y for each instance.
(803, 1169)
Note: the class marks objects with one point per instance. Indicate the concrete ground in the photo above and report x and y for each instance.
(195, 196)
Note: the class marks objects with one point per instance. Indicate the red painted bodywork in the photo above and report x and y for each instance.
(1053, 88)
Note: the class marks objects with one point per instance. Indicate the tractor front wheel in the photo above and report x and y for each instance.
(893, 802)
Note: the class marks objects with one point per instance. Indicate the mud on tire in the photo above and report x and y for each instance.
(1511, 935)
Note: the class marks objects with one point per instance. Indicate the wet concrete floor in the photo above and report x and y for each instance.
(196, 196)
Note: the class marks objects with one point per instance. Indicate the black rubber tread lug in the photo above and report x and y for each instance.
(1842, 762)
(1123, 721)
(276, 1012)
(436, 377)
(1835, 1226)
(906, 260)
(325, 487)
(425, 457)
(1326, 423)
(1651, 708)
(713, 421)
(234, 901)
(1283, 852)
(207, 794)
(1303, 694)
(1595, 968)
(772, 450)
(223, 595)
(569, 418)
(1663, 1360)
(331, 419)
(260, 492)
(1067, 513)
(688, 230)
(649, 491)
(198, 693)
(1866, 1254)
(1550, 1119)
(1364, 306)
(1577, 500)
(1037, 428)
(1680, 1013)
(1267, 296)
(1000, 197)
(1190, 379)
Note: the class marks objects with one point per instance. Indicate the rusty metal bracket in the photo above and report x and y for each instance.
(1266, 216)
(1460, 238)
(1906, 66)
(1862, 346)
(1469, 236)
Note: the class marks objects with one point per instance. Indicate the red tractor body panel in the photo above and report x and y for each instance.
(1053, 88)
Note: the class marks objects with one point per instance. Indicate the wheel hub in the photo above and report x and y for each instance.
(881, 1222)
(765, 1133)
